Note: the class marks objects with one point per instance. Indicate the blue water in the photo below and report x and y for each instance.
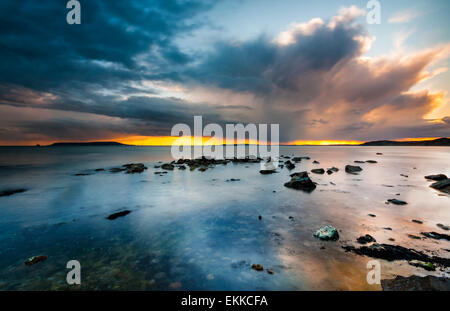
(191, 230)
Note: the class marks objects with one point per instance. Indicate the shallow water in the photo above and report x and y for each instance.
(192, 230)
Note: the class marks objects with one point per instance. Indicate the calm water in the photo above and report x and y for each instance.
(197, 231)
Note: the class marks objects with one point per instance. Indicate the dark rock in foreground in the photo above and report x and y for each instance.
(443, 185)
(437, 177)
(117, 215)
(6, 193)
(395, 252)
(352, 169)
(301, 181)
(35, 259)
(436, 236)
(396, 202)
(365, 239)
(416, 283)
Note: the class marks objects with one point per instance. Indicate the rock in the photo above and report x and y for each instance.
(203, 168)
(100, 170)
(259, 217)
(117, 215)
(258, 267)
(270, 271)
(316, 162)
(267, 172)
(396, 202)
(437, 177)
(327, 233)
(318, 171)
(301, 181)
(414, 237)
(82, 174)
(182, 167)
(371, 161)
(35, 259)
(298, 159)
(372, 215)
(436, 236)
(387, 228)
(365, 239)
(117, 169)
(446, 228)
(9, 192)
(357, 161)
(352, 169)
(167, 167)
(289, 165)
(442, 185)
(403, 175)
(134, 168)
(416, 283)
(395, 252)
(379, 153)
(332, 170)
(425, 265)
(417, 221)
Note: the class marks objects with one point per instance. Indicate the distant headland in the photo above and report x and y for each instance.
(86, 144)
(434, 142)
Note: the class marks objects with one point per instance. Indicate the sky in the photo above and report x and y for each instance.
(133, 69)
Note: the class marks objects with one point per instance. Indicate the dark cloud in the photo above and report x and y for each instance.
(315, 85)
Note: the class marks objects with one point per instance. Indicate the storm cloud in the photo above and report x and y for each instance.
(122, 72)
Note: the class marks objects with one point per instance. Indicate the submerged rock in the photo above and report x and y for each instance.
(365, 239)
(35, 259)
(395, 252)
(436, 236)
(327, 233)
(437, 177)
(425, 265)
(318, 171)
(443, 185)
(396, 202)
(446, 228)
(258, 267)
(117, 215)
(301, 181)
(352, 169)
(267, 172)
(9, 192)
(416, 283)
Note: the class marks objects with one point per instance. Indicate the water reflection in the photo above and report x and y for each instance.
(194, 230)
